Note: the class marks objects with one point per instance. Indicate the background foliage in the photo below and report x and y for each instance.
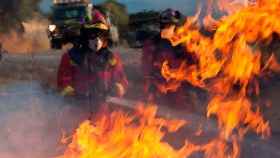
(14, 12)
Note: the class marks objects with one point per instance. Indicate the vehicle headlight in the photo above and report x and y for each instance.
(52, 28)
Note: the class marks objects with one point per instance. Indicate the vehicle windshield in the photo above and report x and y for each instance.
(64, 13)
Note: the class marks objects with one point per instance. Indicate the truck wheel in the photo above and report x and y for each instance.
(56, 44)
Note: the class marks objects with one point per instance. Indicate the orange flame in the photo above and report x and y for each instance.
(233, 112)
(228, 52)
(121, 135)
(230, 58)
(228, 63)
(139, 135)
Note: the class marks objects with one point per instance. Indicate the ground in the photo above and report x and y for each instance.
(33, 116)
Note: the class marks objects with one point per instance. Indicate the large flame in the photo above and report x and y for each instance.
(229, 66)
(124, 136)
(139, 135)
(230, 63)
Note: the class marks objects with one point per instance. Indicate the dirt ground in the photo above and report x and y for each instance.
(30, 108)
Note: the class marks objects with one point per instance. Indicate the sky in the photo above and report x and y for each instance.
(185, 6)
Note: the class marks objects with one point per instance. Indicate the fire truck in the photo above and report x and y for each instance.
(66, 20)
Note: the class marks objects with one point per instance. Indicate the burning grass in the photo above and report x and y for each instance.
(122, 135)
(140, 134)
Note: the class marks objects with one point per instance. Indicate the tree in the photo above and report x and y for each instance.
(118, 12)
(27, 8)
(14, 12)
(144, 18)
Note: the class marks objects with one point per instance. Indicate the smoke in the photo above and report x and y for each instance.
(33, 39)
(32, 121)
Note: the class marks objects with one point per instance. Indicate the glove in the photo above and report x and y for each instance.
(119, 90)
(68, 91)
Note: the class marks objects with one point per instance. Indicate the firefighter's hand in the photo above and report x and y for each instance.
(118, 90)
(67, 91)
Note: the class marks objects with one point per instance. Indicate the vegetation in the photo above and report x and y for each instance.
(118, 13)
(14, 12)
(143, 18)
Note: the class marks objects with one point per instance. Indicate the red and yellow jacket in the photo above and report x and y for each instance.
(83, 73)
(157, 89)
(155, 52)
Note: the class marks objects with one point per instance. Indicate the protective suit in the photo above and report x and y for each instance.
(92, 71)
(156, 51)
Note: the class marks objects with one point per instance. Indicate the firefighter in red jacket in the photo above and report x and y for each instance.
(156, 51)
(91, 69)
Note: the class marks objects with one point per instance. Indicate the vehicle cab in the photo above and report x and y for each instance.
(66, 20)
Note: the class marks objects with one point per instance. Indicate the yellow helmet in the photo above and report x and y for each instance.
(99, 25)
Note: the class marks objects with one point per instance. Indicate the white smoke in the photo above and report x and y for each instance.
(32, 122)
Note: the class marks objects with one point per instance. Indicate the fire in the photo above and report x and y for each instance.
(232, 54)
(229, 66)
(234, 112)
(118, 134)
(231, 63)
(139, 135)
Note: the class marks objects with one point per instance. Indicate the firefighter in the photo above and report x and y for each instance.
(158, 49)
(91, 70)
